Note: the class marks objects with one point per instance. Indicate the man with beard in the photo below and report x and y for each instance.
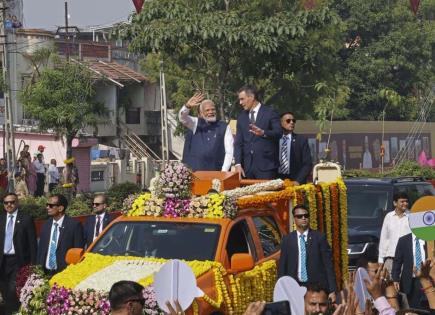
(316, 300)
(209, 142)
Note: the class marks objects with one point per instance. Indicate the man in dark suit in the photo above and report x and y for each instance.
(258, 132)
(294, 152)
(306, 255)
(58, 235)
(95, 224)
(410, 254)
(18, 248)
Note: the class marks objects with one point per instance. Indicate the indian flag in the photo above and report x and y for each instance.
(422, 224)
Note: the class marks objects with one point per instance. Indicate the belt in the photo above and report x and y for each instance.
(9, 255)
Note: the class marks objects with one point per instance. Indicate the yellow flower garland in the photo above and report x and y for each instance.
(328, 214)
(343, 221)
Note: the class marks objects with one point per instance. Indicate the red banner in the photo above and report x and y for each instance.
(414, 5)
(138, 5)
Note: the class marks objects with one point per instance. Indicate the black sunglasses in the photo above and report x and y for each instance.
(290, 120)
(300, 216)
(9, 202)
(51, 205)
(97, 203)
(140, 301)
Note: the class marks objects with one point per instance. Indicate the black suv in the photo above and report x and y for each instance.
(369, 200)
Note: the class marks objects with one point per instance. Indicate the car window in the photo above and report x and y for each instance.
(169, 240)
(240, 240)
(269, 234)
(415, 191)
(368, 201)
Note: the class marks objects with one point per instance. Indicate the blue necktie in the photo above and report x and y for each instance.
(418, 258)
(303, 253)
(52, 264)
(284, 165)
(9, 235)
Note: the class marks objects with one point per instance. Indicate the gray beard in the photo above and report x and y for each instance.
(210, 119)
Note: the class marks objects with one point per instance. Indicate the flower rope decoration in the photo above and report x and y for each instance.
(328, 216)
(320, 211)
(343, 229)
(336, 252)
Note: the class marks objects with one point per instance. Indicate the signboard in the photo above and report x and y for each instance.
(422, 218)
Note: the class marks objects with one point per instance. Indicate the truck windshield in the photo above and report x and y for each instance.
(368, 202)
(169, 240)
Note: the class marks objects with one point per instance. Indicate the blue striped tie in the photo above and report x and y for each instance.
(52, 264)
(303, 249)
(9, 235)
(418, 258)
(284, 167)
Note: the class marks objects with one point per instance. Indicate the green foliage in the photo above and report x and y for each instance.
(35, 207)
(79, 206)
(407, 168)
(217, 46)
(117, 193)
(63, 99)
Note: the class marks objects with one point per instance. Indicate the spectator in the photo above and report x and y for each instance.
(3, 174)
(25, 153)
(294, 152)
(17, 249)
(426, 274)
(53, 175)
(41, 149)
(376, 290)
(295, 261)
(28, 172)
(409, 257)
(51, 252)
(209, 143)
(40, 175)
(126, 298)
(96, 223)
(316, 300)
(369, 261)
(395, 226)
(258, 132)
(20, 187)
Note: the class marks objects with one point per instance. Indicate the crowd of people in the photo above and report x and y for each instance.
(19, 246)
(32, 174)
(265, 145)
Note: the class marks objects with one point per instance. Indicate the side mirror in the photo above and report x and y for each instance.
(241, 262)
(74, 255)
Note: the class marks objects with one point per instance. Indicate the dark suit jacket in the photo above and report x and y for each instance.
(24, 238)
(89, 226)
(254, 152)
(404, 257)
(300, 159)
(71, 236)
(319, 259)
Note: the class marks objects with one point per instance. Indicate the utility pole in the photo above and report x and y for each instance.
(9, 141)
(66, 30)
(164, 117)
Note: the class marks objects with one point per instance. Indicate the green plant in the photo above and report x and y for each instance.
(117, 193)
(79, 206)
(34, 206)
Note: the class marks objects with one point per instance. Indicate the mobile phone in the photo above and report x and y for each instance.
(277, 308)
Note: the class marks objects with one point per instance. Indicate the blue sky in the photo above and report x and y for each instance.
(49, 14)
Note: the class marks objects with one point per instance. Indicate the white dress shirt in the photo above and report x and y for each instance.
(393, 228)
(59, 226)
(305, 234)
(53, 174)
(256, 109)
(289, 146)
(191, 123)
(39, 167)
(14, 219)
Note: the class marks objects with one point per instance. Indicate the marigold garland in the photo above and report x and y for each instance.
(343, 229)
(327, 206)
(336, 252)
(320, 213)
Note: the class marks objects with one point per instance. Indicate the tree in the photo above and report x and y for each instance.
(217, 45)
(388, 48)
(63, 100)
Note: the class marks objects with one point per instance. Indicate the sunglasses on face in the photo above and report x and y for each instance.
(9, 202)
(51, 205)
(290, 120)
(300, 216)
(96, 204)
